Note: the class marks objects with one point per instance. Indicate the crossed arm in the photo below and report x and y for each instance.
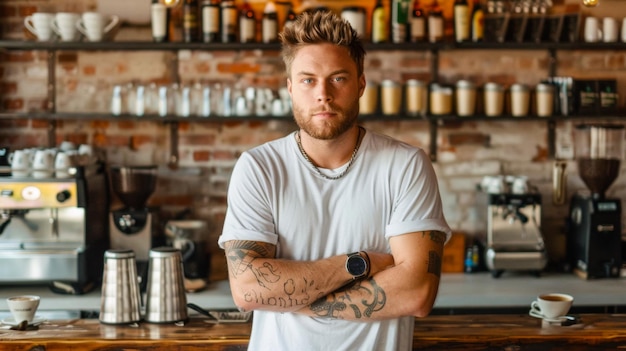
(401, 284)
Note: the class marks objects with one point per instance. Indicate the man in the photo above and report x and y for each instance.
(333, 234)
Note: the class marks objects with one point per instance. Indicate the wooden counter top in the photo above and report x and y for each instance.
(457, 332)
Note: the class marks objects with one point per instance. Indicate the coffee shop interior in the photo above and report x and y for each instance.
(117, 143)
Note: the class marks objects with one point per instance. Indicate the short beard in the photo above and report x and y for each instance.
(331, 129)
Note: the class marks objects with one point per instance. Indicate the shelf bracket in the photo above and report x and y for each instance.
(51, 103)
(432, 124)
(172, 161)
(552, 65)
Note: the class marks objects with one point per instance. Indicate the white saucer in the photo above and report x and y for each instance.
(11, 321)
(550, 320)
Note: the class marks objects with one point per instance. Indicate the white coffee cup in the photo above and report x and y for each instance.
(62, 162)
(624, 30)
(609, 30)
(23, 307)
(40, 24)
(520, 185)
(64, 25)
(20, 161)
(95, 25)
(592, 32)
(43, 163)
(551, 306)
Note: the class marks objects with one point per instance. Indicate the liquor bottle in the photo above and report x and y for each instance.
(191, 32)
(160, 18)
(291, 16)
(399, 20)
(417, 23)
(435, 23)
(211, 21)
(477, 22)
(269, 23)
(379, 23)
(247, 24)
(229, 18)
(461, 15)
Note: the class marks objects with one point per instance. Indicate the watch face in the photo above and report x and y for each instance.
(356, 265)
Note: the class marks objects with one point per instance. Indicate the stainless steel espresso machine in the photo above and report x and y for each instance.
(54, 230)
(514, 240)
(594, 238)
(135, 226)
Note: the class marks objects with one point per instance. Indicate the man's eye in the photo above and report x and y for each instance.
(339, 79)
(307, 81)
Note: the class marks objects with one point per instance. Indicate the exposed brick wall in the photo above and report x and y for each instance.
(466, 151)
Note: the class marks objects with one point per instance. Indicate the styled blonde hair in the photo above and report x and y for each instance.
(317, 27)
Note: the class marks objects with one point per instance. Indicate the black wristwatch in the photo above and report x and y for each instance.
(357, 265)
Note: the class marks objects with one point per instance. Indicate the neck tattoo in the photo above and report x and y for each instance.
(340, 175)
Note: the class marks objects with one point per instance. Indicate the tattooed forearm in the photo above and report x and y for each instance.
(362, 298)
(434, 263)
(240, 260)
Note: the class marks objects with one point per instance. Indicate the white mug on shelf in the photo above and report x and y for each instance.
(62, 163)
(610, 30)
(64, 25)
(40, 24)
(592, 32)
(95, 26)
(43, 162)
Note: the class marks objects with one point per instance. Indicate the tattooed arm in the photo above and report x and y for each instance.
(260, 281)
(407, 289)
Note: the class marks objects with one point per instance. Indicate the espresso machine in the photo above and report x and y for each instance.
(54, 230)
(594, 237)
(514, 239)
(135, 225)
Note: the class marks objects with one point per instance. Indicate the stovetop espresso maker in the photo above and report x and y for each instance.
(594, 225)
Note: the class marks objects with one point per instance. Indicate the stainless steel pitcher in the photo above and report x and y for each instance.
(120, 301)
(166, 301)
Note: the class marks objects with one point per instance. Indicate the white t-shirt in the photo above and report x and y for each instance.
(276, 196)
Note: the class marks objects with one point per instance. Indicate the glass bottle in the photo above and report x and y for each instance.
(247, 24)
(477, 22)
(229, 18)
(160, 21)
(435, 23)
(291, 16)
(211, 21)
(190, 21)
(417, 23)
(399, 20)
(461, 21)
(269, 24)
(379, 23)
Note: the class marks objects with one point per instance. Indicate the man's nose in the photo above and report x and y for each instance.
(324, 93)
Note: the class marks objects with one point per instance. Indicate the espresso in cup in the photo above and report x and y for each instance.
(551, 306)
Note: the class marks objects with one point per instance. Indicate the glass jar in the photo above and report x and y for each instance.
(494, 99)
(415, 97)
(465, 98)
(520, 100)
(391, 92)
(544, 95)
(440, 100)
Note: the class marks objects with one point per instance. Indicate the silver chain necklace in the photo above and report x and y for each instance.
(306, 157)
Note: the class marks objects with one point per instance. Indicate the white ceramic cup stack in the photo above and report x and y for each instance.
(43, 163)
(40, 24)
(21, 162)
(95, 26)
(610, 30)
(592, 32)
(64, 25)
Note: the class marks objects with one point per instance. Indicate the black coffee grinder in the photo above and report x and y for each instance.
(135, 226)
(594, 229)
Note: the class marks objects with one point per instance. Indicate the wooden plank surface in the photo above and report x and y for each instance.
(454, 332)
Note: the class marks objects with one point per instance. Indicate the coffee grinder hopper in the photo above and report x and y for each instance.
(133, 185)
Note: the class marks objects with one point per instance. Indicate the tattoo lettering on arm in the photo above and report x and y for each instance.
(373, 299)
(434, 263)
